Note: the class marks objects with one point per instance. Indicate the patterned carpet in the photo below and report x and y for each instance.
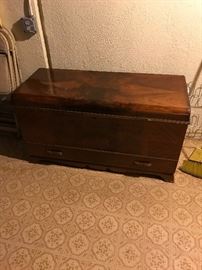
(55, 217)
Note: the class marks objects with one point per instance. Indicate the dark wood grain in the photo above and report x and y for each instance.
(102, 132)
(105, 158)
(122, 122)
(107, 92)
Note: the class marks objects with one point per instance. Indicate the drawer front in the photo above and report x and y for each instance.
(102, 132)
(104, 158)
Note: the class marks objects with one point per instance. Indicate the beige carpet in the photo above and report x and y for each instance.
(54, 217)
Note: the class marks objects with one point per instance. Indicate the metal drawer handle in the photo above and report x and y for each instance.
(55, 152)
(142, 163)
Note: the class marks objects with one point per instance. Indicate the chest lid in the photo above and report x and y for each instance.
(116, 93)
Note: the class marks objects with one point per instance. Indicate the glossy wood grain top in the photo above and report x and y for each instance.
(106, 92)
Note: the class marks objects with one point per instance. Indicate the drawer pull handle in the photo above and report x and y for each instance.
(142, 163)
(55, 152)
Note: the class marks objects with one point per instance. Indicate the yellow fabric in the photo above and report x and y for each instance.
(196, 155)
(192, 167)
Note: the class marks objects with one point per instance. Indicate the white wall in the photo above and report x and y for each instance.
(30, 51)
(125, 35)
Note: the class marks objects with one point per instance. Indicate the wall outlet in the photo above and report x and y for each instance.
(29, 24)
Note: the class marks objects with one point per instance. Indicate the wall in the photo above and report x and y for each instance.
(31, 51)
(125, 35)
(156, 36)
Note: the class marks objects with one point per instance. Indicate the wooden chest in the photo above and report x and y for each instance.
(121, 122)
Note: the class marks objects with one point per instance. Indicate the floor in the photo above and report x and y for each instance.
(55, 217)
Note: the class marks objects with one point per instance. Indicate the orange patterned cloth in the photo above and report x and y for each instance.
(55, 217)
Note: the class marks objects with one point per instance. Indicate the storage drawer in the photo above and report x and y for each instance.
(130, 135)
(103, 158)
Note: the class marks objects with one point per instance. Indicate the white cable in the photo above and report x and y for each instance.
(30, 9)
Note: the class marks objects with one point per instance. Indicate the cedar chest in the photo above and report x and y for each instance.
(122, 122)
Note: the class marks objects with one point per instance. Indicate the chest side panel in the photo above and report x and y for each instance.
(130, 135)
